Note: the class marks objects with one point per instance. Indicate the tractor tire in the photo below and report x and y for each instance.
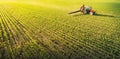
(92, 13)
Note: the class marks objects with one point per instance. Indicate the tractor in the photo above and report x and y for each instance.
(85, 10)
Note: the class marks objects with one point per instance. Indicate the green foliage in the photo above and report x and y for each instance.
(42, 29)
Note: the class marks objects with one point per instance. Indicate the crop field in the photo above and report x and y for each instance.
(34, 29)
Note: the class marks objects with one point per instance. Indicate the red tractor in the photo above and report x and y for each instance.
(85, 10)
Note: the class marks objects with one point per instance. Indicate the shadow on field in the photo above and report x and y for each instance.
(79, 15)
(103, 15)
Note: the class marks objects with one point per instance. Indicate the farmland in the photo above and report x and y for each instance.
(34, 29)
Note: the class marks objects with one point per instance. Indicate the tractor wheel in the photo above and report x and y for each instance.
(92, 13)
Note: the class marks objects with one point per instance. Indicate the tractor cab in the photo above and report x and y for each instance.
(88, 10)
